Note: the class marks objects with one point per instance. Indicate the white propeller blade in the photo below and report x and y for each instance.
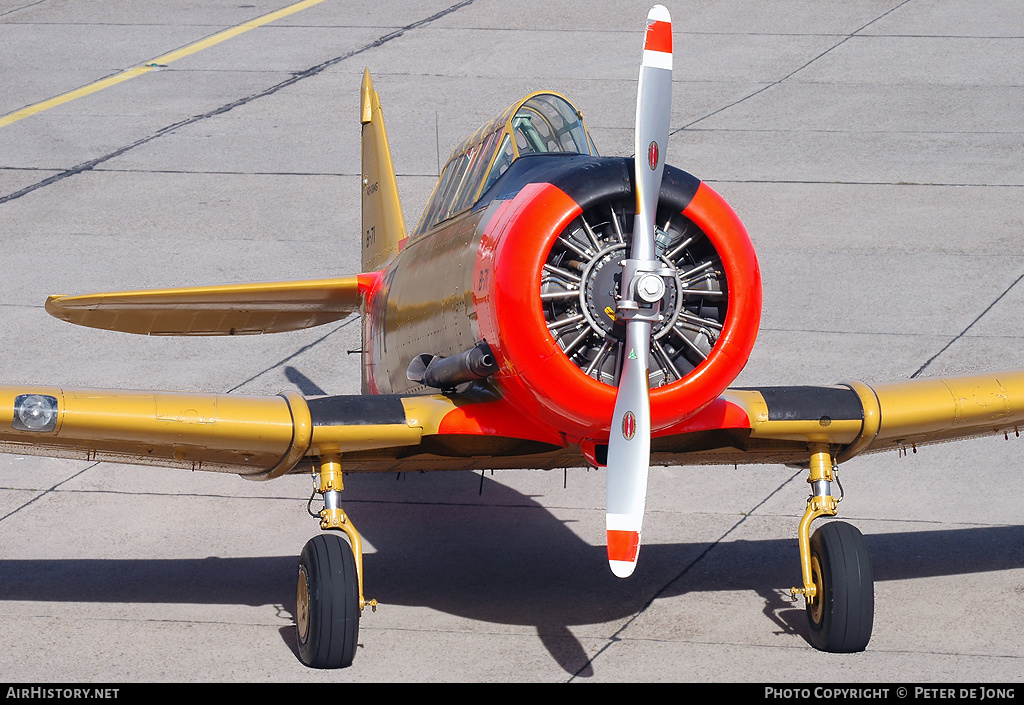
(629, 442)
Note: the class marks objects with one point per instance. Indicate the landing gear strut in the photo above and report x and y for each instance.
(329, 587)
(838, 582)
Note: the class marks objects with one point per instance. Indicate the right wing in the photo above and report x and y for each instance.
(230, 309)
(262, 437)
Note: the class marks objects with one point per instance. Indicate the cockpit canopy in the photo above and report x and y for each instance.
(541, 123)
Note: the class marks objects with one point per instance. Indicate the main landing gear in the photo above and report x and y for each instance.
(329, 589)
(839, 587)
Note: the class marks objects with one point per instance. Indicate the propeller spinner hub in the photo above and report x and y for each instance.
(650, 288)
(582, 291)
(602, 291)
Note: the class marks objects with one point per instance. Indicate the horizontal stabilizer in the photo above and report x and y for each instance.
(230, 309)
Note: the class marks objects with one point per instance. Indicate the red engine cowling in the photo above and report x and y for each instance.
(546, 278)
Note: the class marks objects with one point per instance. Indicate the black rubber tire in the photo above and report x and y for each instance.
(328, 622)
(841, 622)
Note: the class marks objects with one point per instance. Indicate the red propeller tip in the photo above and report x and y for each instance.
(623, 545)
(659, 30)
(659, 37)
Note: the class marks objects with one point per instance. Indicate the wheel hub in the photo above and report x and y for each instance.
(815, 605)
(302, 605)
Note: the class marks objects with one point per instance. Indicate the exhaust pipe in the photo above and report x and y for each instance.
(449, 372)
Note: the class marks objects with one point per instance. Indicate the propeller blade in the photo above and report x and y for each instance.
(629, 454)
(653, 114)
(642, 288)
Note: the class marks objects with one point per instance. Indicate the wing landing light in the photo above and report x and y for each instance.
(629, 442)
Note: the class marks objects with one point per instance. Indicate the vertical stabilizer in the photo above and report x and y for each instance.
(383, 223)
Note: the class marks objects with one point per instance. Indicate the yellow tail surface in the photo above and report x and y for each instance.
(383, 222)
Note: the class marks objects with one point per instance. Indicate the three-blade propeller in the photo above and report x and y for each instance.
(642, 288)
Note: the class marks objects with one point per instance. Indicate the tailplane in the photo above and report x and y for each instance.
(383, 222)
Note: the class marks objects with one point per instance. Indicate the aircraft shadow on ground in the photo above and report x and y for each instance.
(505, 560)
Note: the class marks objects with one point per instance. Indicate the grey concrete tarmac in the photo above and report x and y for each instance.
(874, 150)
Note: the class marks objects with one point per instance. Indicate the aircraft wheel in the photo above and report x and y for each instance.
(843, 611)
(327, 603)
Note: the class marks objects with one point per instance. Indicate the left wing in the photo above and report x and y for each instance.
(230, 309)
(777, 424)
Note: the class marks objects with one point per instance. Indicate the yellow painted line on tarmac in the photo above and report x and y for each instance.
(158, 62)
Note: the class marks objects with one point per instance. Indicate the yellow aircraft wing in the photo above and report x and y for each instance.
(780, 424)
(231, 309)
(262, 437)
(266, 437)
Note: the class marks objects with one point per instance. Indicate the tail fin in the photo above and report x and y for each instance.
(383, 222)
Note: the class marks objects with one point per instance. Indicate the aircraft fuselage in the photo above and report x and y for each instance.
(478, 277)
